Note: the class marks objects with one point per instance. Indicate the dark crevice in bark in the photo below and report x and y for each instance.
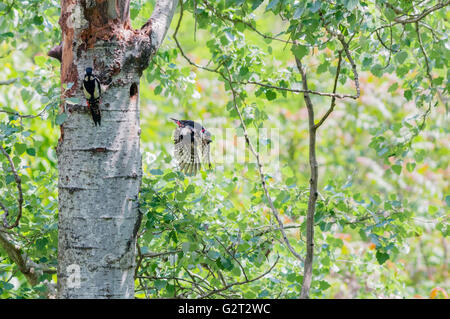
(133, 91)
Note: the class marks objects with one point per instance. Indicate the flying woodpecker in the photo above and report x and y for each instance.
(191, 146)
(92, 92)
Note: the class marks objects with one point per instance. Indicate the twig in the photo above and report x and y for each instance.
(270, 86)
(174, 36)
(24, 116)
(333, 99)
(165, 253)
(8, 82)
(241, 282)
(232, 256)
(248, 24)
(428, 69)
(261, 173)
(417, 17)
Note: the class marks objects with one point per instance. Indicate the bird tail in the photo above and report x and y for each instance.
(95, 111)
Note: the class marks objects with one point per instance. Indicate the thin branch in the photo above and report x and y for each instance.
(261, 173)
(417, 17)
(428, 69)
(165, 253)
(413, 18)
(232, 256)
(270, 86)
(272, 229)
(424, 54)
(333, 99)
(174, 36)
(19, 199)
(241, 282)
(24, 116)
(248, 24)
(8, 82)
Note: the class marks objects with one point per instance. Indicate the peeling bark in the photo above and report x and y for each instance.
(100, 167)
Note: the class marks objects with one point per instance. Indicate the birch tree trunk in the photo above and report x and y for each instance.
(100, 166)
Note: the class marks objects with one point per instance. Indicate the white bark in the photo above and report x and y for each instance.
(160, 20)
(100, 166)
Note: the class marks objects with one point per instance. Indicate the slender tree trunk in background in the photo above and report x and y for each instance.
(100, 166)
(307, 272)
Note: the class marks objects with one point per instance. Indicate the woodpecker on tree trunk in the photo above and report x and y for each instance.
(92, 92)
(192, 146)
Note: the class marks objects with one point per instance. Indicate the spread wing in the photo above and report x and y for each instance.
(186, 150)
(206, 154)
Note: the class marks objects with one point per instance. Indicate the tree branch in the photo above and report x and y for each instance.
(158, 24)
(21, 261)
(240, 282)
(31, 270)
(261, 173)
(417, 17)
(333, 99)
(181, 49)
(313, 182)
(8, 82)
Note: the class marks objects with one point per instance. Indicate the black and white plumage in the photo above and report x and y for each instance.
(92, 92)
(192, 146)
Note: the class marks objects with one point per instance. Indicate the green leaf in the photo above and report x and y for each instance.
(60, 118)
(408, 95)
(272, 4)
(324, 285)
(410, 166)
(377, 70)
(381, 257)
(397, 169)
(393, 87)
(271, 95)
(158, 90)
(160, 284)
(213, 254)
(156, 171)
(256, 4)
(299, 11)
(40, 60)
(401, 56)
(37, 20)
(20, 148)
(350, 4)
(31, 151)
(26, 95)
(300, 51)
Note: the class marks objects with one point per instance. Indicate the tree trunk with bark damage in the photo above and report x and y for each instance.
(100, 166)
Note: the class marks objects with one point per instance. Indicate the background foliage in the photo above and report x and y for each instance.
(382, 214)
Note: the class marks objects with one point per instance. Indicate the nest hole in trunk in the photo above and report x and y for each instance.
(133, 91)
